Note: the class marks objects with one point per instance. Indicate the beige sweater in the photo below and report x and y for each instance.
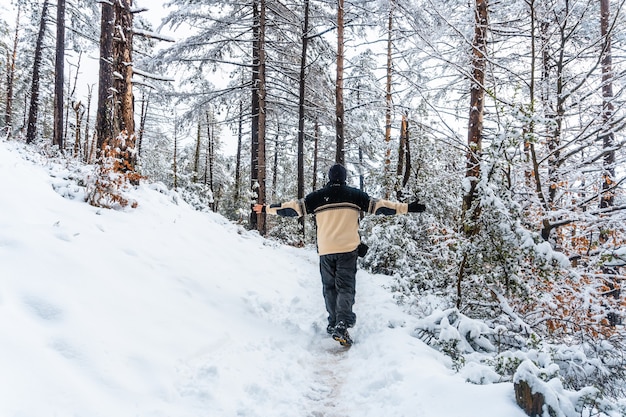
(337, 210)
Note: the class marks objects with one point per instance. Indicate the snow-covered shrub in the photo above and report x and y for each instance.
(113, 175)
(554, 399)
(572, 378)
(455, 334)
(286, 230)
(410, 249)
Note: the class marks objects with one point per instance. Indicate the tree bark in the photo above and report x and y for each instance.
(79, 111)
(301, 115)
(254, 128)
(316, 130)
(59, 73)
(340, 156)
(104, 114)
(210, 165)
(261, 226)
(258, 114)
(388, 105)
(33, 111)
(301, 96)
(238, 157)
(475, 130)
(145, 104)
(175, 159)
(403, 170)
(87, 148)
(196, 157)
(124, 115)
(608, 137)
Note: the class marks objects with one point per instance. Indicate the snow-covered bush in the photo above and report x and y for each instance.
(114, 174)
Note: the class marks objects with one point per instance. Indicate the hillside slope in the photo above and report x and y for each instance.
(165, 311)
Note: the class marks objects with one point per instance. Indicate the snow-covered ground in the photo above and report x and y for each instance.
(165, 311)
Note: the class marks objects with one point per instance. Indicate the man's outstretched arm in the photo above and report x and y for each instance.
(294, 208)
(389, 208)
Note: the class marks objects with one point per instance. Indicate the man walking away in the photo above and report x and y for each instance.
(337, 209)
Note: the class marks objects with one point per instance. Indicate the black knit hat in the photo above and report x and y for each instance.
(337, 174)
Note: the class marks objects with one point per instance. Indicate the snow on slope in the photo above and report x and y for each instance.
(165, 311)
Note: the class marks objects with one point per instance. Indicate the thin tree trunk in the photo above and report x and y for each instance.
(11, 74)
(608, 138)
(275, 169)
(257, 221)
(57, 138)
(210, 150)
(340, 156)
(316, 130)
(301, 97)
(529, 129)
(175, 161)
(254, 131)
(31, 131)
(71, 95)
(238, 158)
(80, 112)
(403, 169)
(388, 105)
(261, 226)
(475, 129)
(145, 104)
(196, 157)
(87, 148)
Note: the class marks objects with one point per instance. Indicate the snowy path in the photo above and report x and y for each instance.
(163, 311)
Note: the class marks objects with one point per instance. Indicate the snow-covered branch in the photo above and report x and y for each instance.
(153, 35)
(151, 76)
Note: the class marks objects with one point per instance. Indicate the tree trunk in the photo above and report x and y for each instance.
(254, 129)
(87, 149)
(196, 157)
(57, 138)
(275, 167)
(257, 221)
(175, 161)
(533, 403)
(31, 130)
(124, 115)
(475, 130)
(340, 156)
(238, 158)
(104, 115)
(11, 74)
(210, 151)
(261, 226)
(80, 112)
(301, 96)
(607, 135)
(403, 170)
(316, 130)
(388, 106)
(145, 103)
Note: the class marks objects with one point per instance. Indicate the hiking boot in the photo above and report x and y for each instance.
(330, 329)
(341, 334)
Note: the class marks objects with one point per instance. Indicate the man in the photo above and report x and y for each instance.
(337, 208)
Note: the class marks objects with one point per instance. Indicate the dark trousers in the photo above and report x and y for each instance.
(338, 272)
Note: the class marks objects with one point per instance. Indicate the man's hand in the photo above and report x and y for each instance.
(416, 207)
(258, 208)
